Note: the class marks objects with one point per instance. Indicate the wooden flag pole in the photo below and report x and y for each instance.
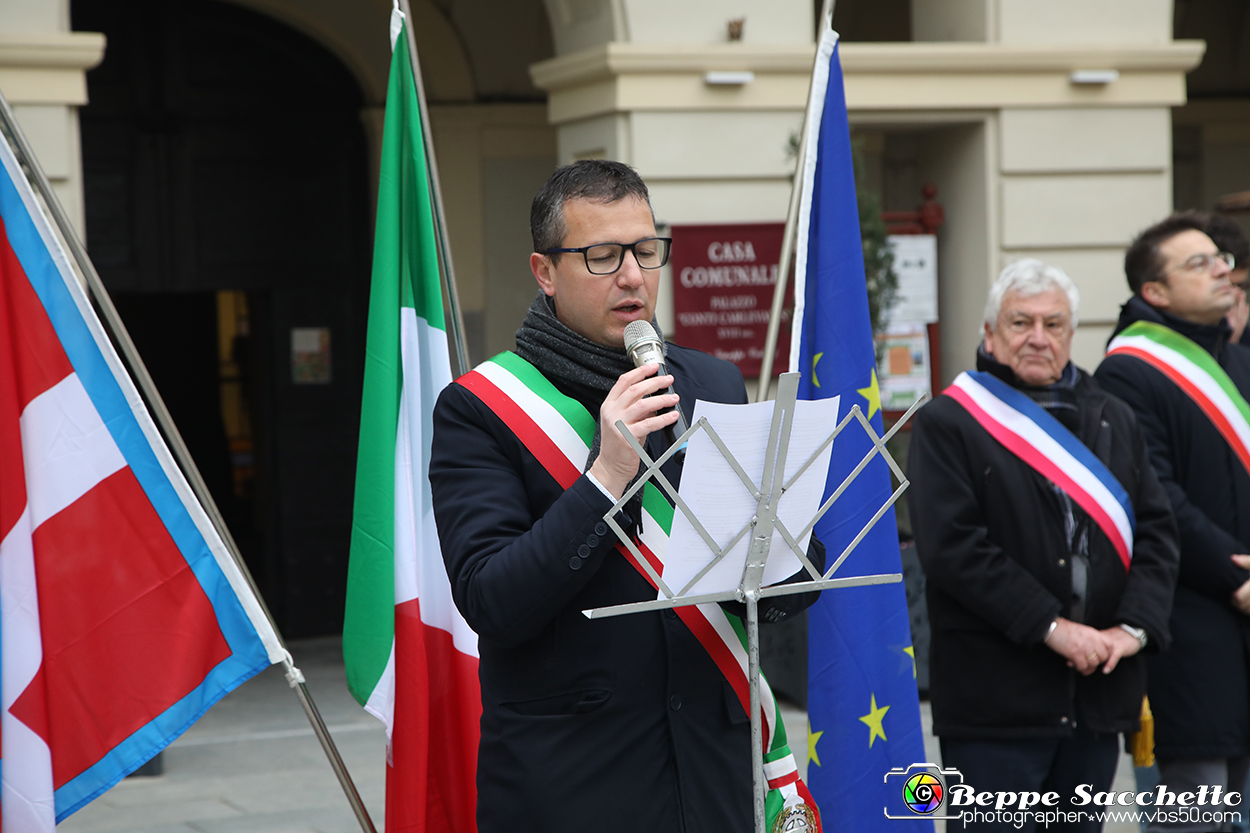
(138, 371)
(436, 191)
(792, 224)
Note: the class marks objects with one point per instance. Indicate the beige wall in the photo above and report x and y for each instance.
(581, 24)
(1069, 198)
(1028, 162)
(960, 160)
(1074, 170)
(1083, 22)
(43, 76)
(492, 159)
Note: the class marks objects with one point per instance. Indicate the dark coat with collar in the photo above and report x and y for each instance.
(990, 533)
(619, 724)
(1200, 690)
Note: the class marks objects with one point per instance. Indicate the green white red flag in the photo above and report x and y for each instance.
(411, 658)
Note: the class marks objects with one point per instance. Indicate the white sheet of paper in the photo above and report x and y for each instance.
(721, 502)
(915, 264)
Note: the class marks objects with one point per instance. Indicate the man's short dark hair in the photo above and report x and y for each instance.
(1142, 261)
(598, 180)
(1228, 237)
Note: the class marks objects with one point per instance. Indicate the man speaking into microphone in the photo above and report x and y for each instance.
(627, 723)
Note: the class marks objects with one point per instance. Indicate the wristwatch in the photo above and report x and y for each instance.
(1136, 633)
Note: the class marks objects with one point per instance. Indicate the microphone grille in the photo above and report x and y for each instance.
(636, 331)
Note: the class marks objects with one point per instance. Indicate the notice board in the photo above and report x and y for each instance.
(723, 281)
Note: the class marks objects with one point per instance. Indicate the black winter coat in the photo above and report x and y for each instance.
(615, 725)
(1200, 690)
(990, 533)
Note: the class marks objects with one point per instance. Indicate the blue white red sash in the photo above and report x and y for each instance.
(1025, 429)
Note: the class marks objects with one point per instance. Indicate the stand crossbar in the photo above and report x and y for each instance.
(760, 527)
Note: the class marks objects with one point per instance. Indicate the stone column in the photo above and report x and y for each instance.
(1074, 154)
(43, 69)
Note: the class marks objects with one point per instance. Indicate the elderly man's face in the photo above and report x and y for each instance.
(1033, 336)
(599, 306)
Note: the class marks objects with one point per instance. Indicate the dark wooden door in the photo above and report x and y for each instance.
(223, 151)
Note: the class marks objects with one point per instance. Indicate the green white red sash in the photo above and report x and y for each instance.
(1195, 372)
(558, 431)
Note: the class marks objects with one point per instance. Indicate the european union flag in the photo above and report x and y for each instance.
(863, 708)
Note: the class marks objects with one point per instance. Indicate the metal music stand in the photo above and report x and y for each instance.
(760, 527)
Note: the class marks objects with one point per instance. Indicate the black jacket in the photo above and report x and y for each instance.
(1199, 691)
(618, 724)
(990, 533)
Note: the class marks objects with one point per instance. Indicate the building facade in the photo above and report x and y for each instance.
(220, 159)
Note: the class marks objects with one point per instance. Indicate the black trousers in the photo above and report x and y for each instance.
(1034, 765)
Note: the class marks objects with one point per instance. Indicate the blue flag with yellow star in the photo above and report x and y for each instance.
(863, 708)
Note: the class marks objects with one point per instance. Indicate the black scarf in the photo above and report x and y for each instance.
(1059, 399)
(576, 365)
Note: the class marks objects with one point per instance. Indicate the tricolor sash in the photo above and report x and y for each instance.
(1025, 429)
(558, 431)
(1196, 373)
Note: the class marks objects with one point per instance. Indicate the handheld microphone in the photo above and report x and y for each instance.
(644, 347)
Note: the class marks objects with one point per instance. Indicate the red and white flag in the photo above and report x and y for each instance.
(123, 617)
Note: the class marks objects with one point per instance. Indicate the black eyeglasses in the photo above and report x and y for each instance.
(606, 258)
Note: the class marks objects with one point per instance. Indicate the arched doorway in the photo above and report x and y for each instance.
(227, 204)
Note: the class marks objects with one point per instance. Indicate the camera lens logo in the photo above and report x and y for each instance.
(922, 793)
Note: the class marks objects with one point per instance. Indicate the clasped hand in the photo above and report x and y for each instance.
(1241, 596)
(631, 402)
(1087, 648)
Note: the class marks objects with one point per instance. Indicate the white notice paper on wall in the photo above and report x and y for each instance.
(721, 502)
(915, 263)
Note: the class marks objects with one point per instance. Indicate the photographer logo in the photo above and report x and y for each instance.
(920, 790)
(922, 793)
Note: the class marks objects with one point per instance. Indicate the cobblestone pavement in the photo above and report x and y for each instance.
(253, 765)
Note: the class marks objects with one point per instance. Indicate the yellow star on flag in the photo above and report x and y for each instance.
(873, 721)
(813, 738)
(910, 650)
(872, 393)
(815, 359)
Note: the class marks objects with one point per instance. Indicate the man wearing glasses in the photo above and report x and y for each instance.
(1171, 360)
(618, 724)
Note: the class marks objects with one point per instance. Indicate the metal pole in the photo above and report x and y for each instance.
(436, 191)
(758, 782)
(792, 223)
(121, 338)
(753, 576)
(772, 486)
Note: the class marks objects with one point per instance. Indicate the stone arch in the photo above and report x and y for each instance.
(356, 35)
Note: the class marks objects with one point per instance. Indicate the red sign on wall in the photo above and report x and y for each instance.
(723, 280)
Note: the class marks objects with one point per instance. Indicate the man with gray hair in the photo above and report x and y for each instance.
(1049, 549)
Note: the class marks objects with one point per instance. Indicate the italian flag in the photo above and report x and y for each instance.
(411, 658)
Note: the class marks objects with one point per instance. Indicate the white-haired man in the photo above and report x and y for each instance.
(1050, 553)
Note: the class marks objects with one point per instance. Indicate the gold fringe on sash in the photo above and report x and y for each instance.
(1142, 742)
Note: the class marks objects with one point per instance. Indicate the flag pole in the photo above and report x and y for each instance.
(792, 224)
(125, 346)
(436, 191)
